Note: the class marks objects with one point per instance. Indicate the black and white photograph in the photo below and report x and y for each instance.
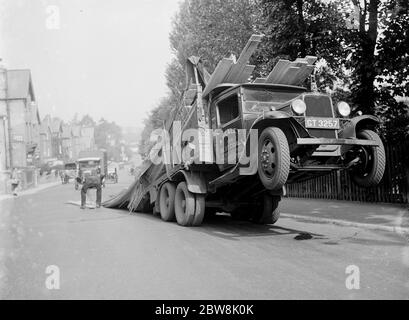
(204, 155)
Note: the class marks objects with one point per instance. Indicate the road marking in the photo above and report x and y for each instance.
(395, 229)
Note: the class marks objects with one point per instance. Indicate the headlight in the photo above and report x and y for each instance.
(344, 109)
(298, 106)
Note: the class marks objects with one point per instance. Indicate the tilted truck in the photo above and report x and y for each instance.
(234, 144)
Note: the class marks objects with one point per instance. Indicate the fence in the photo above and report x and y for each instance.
(394, 187)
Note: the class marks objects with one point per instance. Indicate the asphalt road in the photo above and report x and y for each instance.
(110, 254)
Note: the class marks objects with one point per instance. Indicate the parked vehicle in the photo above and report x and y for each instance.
(69, 172)
(91, 163)
(112, 175)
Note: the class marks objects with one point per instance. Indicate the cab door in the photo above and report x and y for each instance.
(226, 119)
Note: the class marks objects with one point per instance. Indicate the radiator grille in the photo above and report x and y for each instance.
(319, 106)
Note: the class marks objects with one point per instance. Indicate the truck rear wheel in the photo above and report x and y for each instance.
(167, 202)
(372, 161)
(273, 158)
(200, 207)
(184, 205)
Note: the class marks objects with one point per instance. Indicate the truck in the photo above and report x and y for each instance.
(89, 162)
(234, 144)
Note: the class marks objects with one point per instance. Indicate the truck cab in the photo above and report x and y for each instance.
(301, 134)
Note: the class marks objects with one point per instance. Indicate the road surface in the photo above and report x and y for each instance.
(110, 254)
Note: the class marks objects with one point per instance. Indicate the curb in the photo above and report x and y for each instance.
(398, 230)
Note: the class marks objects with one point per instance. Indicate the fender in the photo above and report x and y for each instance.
(358, 123)
(196, 183)
(283, 121)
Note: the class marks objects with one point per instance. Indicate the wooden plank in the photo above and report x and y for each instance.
(238, 68)
(246, 74)
(288, 75)
(306, 72)
(260, 80)
(311, 59)
(293, 78)
(278, 69)
(222, 69)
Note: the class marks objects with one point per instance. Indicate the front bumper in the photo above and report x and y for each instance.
(336, 142)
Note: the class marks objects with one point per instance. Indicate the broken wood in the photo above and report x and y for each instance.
(235, 74)
(218, 75)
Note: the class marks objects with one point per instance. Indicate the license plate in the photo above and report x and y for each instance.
(322, 123)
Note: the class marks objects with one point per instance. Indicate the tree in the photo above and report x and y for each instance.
(211, 29)
(156, 119)
(393, 70)
(296, 28)
(108, 136)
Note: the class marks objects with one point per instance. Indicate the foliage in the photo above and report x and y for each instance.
(155, 120)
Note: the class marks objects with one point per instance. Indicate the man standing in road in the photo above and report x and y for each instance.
(93, 181)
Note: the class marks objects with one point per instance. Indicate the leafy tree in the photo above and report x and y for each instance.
(393, 70)
(108, 136)
(296, 28)
(156, 119)
(211, 29)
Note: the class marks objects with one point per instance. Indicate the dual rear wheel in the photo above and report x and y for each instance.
(177, 202)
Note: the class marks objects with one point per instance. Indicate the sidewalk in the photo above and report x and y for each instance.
(40, 187)
(387, 217)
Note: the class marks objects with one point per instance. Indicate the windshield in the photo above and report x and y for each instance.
(89, 165)
(70, 166)
(260, 99)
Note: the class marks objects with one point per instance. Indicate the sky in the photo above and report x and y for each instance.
(106, 58)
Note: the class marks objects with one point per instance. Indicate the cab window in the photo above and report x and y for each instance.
(228, 109)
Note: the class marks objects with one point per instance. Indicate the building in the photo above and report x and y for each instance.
(67, 150)
(87, 139)
(45, 140)
(19, 125)
(75, 141)
(56, 138)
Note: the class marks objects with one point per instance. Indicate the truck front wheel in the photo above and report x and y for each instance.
(371, 167)
(267, 211)
(273, 158)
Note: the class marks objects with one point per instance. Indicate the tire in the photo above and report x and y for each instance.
(167, 202)
(371, 172)
(267, 212)
(273, 158)
(200, 207)
(184, 205)
(264, 212)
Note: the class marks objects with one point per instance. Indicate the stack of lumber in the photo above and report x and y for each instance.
(290, 72)
(236, 72)
(230, 71)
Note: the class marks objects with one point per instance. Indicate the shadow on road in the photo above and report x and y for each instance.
(224, 226)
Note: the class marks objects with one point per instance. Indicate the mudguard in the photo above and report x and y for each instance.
(195, 182)
(281, 120)
(358, 123)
